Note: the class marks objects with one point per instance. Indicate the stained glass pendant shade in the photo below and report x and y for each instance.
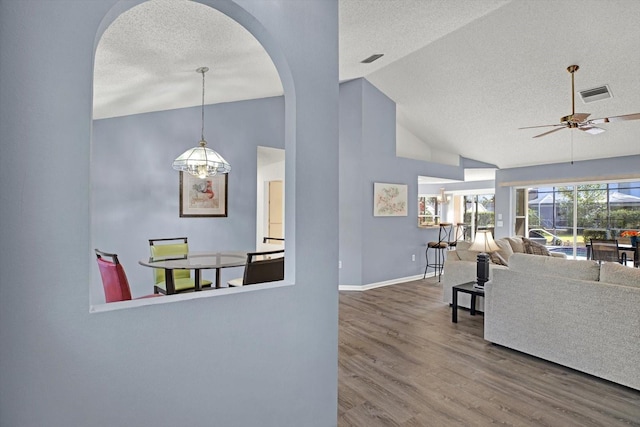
(201, 161)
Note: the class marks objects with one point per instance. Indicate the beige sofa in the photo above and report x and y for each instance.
(571, 312)
(460, 266)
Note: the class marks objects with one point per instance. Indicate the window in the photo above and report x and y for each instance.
(571, 215)
(429, 211)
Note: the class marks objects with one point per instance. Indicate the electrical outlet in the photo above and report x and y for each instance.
(413, 257)
(339, 264)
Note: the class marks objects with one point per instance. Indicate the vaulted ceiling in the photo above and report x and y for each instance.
(465, 75)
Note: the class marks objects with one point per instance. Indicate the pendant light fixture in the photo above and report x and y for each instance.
(201, 161)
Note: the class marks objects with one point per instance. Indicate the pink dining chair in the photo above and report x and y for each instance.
(114, 279)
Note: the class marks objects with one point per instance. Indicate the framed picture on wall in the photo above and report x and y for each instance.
(389, 199)
(203, 197)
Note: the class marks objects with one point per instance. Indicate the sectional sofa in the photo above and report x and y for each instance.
(460, 265)
(574, 313)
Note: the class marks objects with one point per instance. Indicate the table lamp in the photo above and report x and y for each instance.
(484, 244)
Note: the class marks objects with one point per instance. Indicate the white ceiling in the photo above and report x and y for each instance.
(465, 75)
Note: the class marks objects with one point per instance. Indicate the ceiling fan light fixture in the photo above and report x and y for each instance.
(201, 161)
(592, 130)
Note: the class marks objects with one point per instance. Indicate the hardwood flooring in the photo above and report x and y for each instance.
(402, 362)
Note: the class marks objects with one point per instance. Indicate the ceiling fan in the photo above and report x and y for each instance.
(579, 120)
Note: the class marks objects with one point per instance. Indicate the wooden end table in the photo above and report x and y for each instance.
(467, 288)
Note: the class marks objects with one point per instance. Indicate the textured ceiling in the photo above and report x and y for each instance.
(464, 74)
(146, 60)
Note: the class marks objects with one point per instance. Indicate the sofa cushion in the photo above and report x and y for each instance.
(552, 266)
(618, 274)
(505, 249)
(517, 245)
(534, 248)
(463, 252)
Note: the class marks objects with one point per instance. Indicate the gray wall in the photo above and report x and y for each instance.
(263, 358)
(377, 249)
(135, 191)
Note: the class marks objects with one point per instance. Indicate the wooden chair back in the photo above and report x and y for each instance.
(264, 267)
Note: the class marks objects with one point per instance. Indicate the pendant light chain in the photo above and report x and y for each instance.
(571, 145)
(202, 132)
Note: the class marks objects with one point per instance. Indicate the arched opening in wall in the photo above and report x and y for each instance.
(147, 111)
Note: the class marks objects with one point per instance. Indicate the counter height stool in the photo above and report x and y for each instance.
(439, 247)
(458, 235)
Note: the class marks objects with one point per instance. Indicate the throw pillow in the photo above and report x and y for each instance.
(534, 248)
(505, 249)
(463, 252)
(496, 258)
(517, 245)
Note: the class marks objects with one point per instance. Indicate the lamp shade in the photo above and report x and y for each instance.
(201, 162)
(484, 242)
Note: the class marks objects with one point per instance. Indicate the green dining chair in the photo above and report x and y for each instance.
(173, 246)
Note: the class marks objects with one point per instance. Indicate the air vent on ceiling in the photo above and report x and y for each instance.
(372, 58)
(595, 94)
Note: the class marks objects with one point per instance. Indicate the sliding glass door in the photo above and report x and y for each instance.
(479, 213)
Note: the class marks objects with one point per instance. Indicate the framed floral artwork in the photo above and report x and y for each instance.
(203, 197)
(389, 199)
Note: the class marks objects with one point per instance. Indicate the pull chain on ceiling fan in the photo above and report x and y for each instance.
(579, 120)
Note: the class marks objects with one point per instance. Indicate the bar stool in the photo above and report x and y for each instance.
(458, 235)
(444, 236)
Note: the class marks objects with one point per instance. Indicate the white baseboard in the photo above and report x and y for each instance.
(381, 284)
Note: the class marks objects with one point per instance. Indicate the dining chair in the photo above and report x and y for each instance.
(607, 251)
(114, 279)
(261, 267)
(274, 240)
(167, 247)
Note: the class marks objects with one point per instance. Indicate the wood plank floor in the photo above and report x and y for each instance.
(403, 363)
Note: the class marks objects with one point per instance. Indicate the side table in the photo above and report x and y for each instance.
(467, 288)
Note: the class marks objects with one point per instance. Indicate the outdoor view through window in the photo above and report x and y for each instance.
(578, 213)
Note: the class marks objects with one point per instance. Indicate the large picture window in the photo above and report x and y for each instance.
(566, 217)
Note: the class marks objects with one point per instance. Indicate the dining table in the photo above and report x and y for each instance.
(196, 261)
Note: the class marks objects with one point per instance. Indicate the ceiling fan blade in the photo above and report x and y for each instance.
(635, 116)
(593, 130)
(542, 126)
(547, 133)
